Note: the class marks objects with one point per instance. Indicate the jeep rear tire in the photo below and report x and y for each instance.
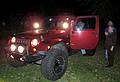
(54, 64)
(91, 52)
(15, 62)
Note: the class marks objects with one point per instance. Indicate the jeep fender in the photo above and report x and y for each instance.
(61, 46)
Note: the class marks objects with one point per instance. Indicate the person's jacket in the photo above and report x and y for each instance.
(111, 38)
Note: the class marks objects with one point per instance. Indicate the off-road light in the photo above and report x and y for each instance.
(12, 47)
(20, 49)
(13, 40)
(67, 18)
(50, 19)
(34, 42)
(37, 31)
(36, 25)
(65, 25)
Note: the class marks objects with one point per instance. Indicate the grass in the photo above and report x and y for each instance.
(80, 69)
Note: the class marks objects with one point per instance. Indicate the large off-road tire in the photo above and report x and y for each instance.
(15, 62)
(54, 64)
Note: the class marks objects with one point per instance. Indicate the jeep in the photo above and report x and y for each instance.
(50, 44)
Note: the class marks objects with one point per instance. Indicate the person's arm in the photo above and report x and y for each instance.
(114, 40)
(112, 48)
(106, 32)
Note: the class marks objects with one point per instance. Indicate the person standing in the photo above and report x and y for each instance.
(110, 43)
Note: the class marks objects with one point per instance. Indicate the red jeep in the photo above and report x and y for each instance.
(50, 48)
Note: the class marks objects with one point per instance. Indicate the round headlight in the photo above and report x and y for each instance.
(13, 39)
(34, 42)
(12, 47)
(36, 25)
(65, 25)
(20, 49)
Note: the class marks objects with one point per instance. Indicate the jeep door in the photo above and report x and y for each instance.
(84, 33)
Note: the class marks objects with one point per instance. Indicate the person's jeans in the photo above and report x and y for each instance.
(109, 56)
(106, 54)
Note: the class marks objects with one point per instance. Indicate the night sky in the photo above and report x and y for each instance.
(12, 12)
(53, 7)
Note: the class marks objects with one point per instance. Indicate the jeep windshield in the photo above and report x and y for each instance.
(43, 25)
(57, 22)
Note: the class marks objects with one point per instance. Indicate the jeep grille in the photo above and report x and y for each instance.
(23, 41)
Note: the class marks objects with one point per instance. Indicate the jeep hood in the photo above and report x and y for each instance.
(48, 34)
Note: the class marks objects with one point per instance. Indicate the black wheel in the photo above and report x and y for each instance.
(54, 64)
(15, 62)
